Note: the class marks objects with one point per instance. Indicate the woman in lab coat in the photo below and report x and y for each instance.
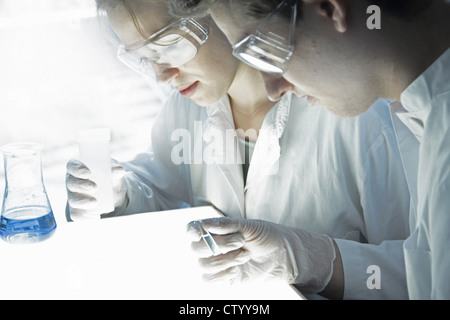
(295, 165)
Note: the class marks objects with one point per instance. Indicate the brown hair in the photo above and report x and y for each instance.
(258, 9)
(402, 8)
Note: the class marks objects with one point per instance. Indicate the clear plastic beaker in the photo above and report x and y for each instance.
(26, 212)
(94, 151)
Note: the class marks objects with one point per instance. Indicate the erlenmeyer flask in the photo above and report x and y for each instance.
(26, 212)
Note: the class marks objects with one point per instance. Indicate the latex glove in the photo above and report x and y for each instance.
(261, 250)
(81, 190)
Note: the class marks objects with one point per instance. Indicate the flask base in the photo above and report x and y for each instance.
(27, 230)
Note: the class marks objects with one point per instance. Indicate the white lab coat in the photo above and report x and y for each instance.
(341, 177)
(426, 113)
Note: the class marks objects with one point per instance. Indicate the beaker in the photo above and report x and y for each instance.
(94, 151)
(26, 212)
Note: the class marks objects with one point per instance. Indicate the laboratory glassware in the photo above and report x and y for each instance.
(26, 215)
(94, 149)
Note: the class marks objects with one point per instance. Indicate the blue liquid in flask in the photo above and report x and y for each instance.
(36, 223)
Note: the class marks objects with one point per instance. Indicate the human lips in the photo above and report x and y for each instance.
(311, 99)
(188, 90)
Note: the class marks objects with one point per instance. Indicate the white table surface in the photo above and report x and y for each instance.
(143, 256)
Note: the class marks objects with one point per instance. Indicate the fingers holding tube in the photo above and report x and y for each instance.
(77, 185)
(225, 244)
(216, 226)
(78, 169)
(81, 201)
(117, 170)
(228, 237)
(222, 240)
(78, 178)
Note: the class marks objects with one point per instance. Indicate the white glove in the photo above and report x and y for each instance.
(81, 190)
(261, 250)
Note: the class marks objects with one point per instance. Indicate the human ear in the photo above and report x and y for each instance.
(335, 10)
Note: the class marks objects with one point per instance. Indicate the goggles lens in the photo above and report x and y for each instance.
(270, 48)
(172, 47)
(263, 53)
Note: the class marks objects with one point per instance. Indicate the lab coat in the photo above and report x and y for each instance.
(425, 111)
(310, 169)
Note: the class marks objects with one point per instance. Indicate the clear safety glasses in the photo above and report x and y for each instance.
(272, 45)
(171, 47)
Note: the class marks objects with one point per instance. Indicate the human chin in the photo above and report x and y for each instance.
(204, 97)
(345, 109)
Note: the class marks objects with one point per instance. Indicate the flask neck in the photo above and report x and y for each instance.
(23, 171)
(24, 185)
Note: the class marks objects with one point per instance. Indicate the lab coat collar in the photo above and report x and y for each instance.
(220, 118)
(413, 113)
(416, 99)
(267, 152)
(278, 116)
(220, 113)
(409, 150)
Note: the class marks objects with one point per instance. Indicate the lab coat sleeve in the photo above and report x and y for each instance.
(154, 182)
(373, 271)
(385, 201)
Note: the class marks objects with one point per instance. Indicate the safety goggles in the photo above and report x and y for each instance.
(272, 45)
(171, 47)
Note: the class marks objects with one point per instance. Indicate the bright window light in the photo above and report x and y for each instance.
(60, 75)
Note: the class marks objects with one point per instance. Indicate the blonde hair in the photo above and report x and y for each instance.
(103, 5)
(191, 8)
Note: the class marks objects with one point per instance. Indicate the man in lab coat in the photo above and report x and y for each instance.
(371, 49)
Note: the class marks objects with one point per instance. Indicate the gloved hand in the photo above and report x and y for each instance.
(81, 190)
(261, 250)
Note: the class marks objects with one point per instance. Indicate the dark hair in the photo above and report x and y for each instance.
(251, 9)
(190, 8)
(258, 9)
(402, 8)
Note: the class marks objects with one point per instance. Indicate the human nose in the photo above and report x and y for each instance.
(276, 86)
(164, 74)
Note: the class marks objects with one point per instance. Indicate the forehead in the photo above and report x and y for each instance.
(132, 20)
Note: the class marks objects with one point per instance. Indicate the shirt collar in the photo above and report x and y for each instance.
(431, 83)
(276, 118)
(417, 98)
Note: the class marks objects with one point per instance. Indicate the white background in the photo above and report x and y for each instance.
(58, 75)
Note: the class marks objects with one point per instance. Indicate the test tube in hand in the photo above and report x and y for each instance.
(95, 154)
(209, 240)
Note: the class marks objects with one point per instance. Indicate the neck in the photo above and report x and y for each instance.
(423, 41)
(248, 99)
